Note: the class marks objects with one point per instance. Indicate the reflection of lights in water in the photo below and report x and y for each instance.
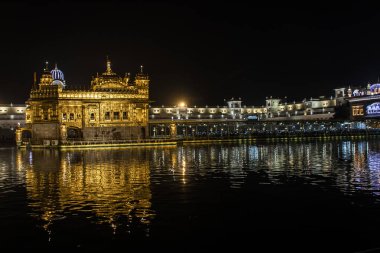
(30, 158)
(359, 156)
(374, 162)
(253, 153)
(307, 155)
(117, 183)
(183, 170)
(291, 156)
(346, 150)
(99, 181)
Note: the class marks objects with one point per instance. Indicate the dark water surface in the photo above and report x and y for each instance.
(317, 196)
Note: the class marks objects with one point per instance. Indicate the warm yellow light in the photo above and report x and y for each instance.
(182, 104)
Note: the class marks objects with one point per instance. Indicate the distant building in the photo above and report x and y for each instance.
(275, 109)
(12, 116)
(363, 103)
(232, 110)
(309, 109)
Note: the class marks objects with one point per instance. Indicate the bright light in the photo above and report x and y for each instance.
(182, 104)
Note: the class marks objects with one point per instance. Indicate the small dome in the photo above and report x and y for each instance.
(374, 87)
(57, 74)
(58, 82)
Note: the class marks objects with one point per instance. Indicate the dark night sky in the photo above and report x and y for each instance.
(197, 52)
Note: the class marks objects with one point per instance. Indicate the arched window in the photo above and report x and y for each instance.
(92, 116)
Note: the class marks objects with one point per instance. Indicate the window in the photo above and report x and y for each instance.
(116, 116)
(64, 116)
(107, 116)
(125, 115)
(92, 116)
(357, 110)
(71, 116)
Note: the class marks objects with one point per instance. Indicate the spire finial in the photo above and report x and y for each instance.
(35, 78)
(142, 69)
(46, 66)
(56, 67)
(109, 70)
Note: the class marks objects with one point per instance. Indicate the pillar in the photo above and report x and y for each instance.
(173, 130)
(63, 132)
(18, 137)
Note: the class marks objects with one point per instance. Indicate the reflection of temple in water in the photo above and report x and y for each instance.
(107, 184)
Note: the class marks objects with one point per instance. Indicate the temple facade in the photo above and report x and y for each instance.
(112, 108)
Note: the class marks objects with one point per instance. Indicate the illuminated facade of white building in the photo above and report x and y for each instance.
(274, 110)
(12, 116)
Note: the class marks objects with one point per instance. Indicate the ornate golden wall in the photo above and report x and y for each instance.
(110, 101)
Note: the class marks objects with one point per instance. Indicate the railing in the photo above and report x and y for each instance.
(285, 134)
(111, 142)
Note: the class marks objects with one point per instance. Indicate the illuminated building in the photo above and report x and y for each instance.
(112, 108)
(321, 108)
(364, 104)
(233, 117)
(12, 116)
(101, 182)
(116, 108)
(233, 110)
(274, 110)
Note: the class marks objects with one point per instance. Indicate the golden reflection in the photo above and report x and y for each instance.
(109, 184)
(359, 156)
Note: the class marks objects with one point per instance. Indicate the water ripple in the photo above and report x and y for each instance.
(118, 188)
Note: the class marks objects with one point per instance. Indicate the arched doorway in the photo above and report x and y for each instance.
(74, 133)
(143, 132)
(26, 135)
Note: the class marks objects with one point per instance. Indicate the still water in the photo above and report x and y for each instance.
(315, 196)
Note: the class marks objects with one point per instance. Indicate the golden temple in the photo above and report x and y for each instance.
(112, 108)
